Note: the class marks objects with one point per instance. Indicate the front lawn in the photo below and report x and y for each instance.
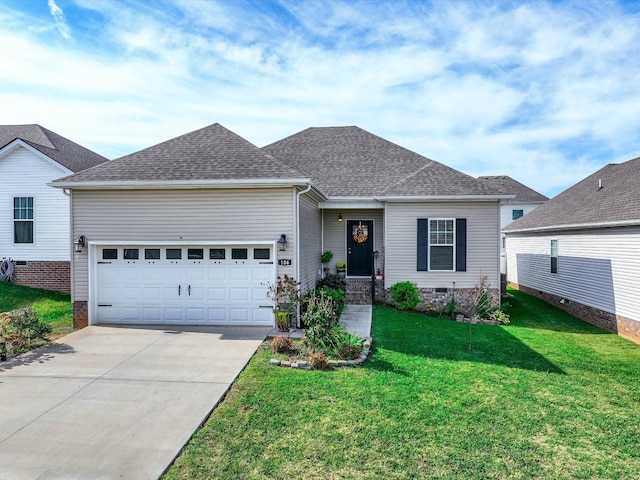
(545, 397)
(52, 307)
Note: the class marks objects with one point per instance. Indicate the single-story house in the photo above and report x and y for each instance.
(581, 250)
(524, 200)
(34, 217)
(192, 230)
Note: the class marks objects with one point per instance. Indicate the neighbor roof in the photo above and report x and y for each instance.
(351, 162)
(609, 197)
(62, 150)
(209, 154)
(505, 184)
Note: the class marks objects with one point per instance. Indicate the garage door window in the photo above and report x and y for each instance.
(174, 253)
(216, 253)
(109, 253)
(131, 254)
(195, 253)
(239, 253)
(152, 254)
(261, 253)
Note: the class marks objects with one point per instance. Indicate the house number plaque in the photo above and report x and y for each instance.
(285, 262)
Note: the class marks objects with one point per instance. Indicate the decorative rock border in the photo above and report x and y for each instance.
(304, 365)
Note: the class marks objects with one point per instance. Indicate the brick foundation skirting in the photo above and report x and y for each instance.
(80, 315)
(40, 274)
(359, 293)
(623, 326)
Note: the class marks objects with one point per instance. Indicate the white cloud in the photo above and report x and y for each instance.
(58, 16)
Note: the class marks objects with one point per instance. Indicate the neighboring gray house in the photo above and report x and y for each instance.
(190, 231)
(524, 200)
(581, 250)
(34, 218)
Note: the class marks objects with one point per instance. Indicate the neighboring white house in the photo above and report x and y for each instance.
(524, 200)
(34, 217)
(581, 250)
(192, 230)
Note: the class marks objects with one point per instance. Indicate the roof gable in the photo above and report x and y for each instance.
(608, 197)
(69, 154)
(351, 162)
(210, 153)
(505, 184)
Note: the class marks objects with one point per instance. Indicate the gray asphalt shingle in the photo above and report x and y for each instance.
(67, 153)
(210, 153)
(351, 162)
(610, 195)
(505, 184)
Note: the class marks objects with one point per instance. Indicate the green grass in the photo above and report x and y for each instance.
(52, 307)
(545, 397)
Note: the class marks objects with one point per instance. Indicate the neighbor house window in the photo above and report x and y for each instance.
(516, 214)
(554, 256)
(441, 244)
(23, 219)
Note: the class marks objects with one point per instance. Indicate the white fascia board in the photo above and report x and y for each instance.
(8, 148)
(173, 184)
(576, 226)
(441, 198)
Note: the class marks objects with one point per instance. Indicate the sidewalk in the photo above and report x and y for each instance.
(355, 318)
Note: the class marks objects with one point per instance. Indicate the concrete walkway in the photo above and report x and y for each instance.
(114, 402)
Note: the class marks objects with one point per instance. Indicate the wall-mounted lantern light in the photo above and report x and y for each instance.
(79, 243)
(282, 243)
(340, 217)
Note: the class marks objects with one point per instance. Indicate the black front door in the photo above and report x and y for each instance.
(359, 248)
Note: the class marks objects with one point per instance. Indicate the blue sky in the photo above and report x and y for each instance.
(546, 92)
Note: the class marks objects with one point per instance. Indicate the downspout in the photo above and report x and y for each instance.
(301, 192)
(67, 192)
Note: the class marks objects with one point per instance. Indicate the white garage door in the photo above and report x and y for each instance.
(195, 285)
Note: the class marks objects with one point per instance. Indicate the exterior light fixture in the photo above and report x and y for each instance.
(340, 217)
(282, 243)
(79, 243)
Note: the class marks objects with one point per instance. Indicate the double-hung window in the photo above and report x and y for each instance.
(554, 256)
(23, 219)
(441, 244)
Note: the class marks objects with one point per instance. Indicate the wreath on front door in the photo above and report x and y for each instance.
(360, 233)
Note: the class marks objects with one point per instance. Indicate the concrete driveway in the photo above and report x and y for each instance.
(114, 402)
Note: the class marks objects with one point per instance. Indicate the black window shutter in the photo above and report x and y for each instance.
(423, 243)
(461, 244)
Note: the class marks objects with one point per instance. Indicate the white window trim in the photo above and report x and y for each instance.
(453, 262)
(32, 220)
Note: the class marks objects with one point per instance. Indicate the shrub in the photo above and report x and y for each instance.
(337, 295)
(322, 332)
(284, 294)
(25, 322)
(326, 256)
(405, 295)
(317, 360)
(281, 344)
(450, 308)
(333, 281)
(499, 316)
(350, 346)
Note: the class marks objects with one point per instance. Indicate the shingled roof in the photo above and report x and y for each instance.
(67, 153)
(610, 197)
(351, 162)
(208, 154)
(505, 184)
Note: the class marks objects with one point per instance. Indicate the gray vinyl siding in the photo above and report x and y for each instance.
(310, 242)
(482, 243)
(335, 232)
(215, 215)
(597, 268)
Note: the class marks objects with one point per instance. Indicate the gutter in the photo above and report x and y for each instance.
(440, 198)
(163, 184)
(576, 226)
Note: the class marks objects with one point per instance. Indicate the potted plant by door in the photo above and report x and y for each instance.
(285, 297)
(341, 268)
(326, 258)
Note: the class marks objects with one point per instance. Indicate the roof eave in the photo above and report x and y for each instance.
(440, 198)
(182, 184)
(576, 226)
